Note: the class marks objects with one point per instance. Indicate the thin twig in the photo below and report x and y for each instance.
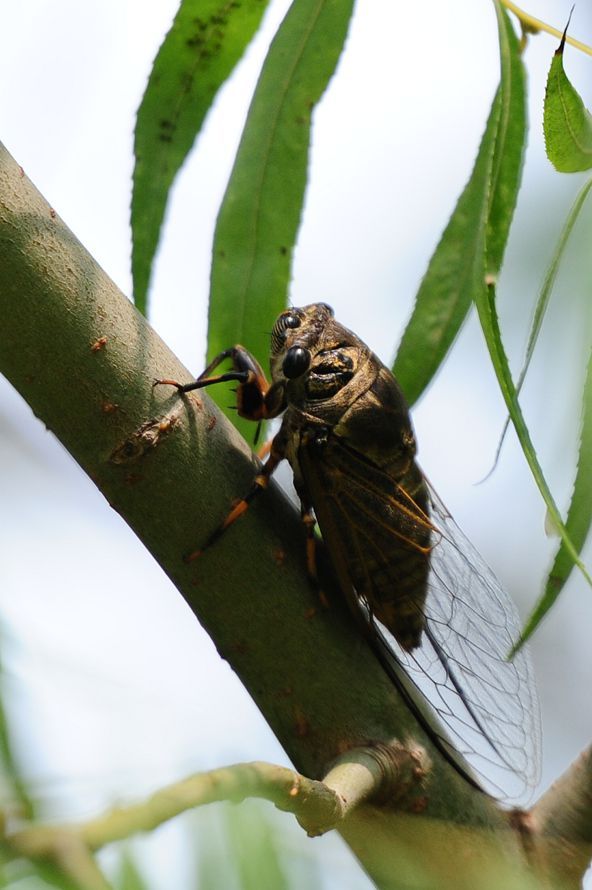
(533, 25)
(382, 771)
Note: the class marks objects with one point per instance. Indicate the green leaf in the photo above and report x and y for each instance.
(256, 849)
(579, 516)
(485, 301)
(9, 765)
(248, 846)
(206, 40)
(510, 142)
(50, 875)
(545, 295)
(260, 214)
(478, 226)
(480, 269)
(567, 123)
(213, 863)
(445, 294)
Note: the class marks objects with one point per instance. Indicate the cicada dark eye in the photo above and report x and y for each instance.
(296, 362)
(284, 323)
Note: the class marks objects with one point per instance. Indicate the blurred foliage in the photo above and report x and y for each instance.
(129, 876)
(245, 847)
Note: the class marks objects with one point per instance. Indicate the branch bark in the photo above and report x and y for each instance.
(562, 822)
(85, 360)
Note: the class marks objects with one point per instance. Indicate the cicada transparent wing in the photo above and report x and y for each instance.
(487, 704)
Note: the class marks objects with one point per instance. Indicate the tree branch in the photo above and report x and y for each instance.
(562, 822)
(85, 360)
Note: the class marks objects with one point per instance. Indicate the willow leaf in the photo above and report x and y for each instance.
(206, 40)
(447, 290)
(260, 214)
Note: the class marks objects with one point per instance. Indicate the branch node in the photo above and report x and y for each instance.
(383, 774)
(403, 771)
(144, 439)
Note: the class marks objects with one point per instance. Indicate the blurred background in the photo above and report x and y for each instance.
(96, 643)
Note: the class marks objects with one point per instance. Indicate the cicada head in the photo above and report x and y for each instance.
(295, 338)
(313, 355)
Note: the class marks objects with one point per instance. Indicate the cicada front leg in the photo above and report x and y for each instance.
(256, 400)
(246, 371)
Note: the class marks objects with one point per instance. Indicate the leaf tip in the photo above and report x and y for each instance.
(515, 649)
(561, 47)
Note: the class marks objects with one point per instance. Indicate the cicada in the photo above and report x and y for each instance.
(432, 610)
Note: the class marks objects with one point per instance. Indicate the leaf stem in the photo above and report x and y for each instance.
(533, 25)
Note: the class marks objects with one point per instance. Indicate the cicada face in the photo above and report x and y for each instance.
(314, 358)
(296, 337)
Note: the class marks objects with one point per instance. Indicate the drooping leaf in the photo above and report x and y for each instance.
(260, 214)
(445, 294)
(486, 308)
(579, 515)
(480, 271)
(479, 225)
(545, 295)
(508, 158)
(567, 123)
(206, 40)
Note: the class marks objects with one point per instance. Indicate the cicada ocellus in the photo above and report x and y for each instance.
(434, 612)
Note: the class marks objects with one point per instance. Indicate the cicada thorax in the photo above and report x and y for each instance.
(354, 460)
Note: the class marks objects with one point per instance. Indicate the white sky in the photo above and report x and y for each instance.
(97, 705)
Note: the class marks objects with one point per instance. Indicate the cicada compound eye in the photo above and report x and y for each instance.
(296, 362)
(287, 321)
